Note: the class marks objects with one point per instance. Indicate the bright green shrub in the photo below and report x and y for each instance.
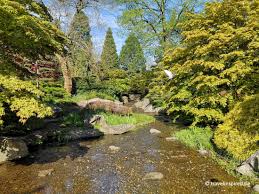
(239, 134)
(21, 97)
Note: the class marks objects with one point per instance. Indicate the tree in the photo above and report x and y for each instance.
(155, 21)
(26, 35)
(81, 45)
(216, 68)
(132, 56)
(109, 56)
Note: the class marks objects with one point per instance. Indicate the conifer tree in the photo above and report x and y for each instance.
(132, 56)
(81, 46)
(109, 57)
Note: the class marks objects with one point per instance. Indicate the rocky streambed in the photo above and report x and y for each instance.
(136, 162)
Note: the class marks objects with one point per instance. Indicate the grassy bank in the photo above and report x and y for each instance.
(135, 119)
(201, 138)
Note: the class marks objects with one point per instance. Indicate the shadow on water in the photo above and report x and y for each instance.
(51, 154)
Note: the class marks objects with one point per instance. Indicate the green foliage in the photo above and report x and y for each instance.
(81, 46)
(132, 56)
(26, 30)
(138, 82)
(21, 97)
(239, 134)
(109, 57)
(216, 64)
(155, 21)
(196, 137)
(26, 34)
(90, 95)
(73, 119)
(79, 28)
(54, 92)
(135, 119)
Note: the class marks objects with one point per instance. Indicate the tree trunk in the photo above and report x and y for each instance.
(66, 73)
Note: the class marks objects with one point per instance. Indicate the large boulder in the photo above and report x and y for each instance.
(110, 129)
(142, 104)
(107, 105)
(146, 106)
(134, 97)
(245, 169)
(253, 161)
(12, 148)
(125, 99)
(250, 166)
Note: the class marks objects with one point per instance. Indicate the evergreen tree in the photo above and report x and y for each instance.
(109, 57)
(81, 47)
(80, 28)
(132, 56)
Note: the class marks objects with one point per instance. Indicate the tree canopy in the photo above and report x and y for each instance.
(26, 34)
(215, 67)
(155, 21)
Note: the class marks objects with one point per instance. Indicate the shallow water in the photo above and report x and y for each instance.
(90, 167)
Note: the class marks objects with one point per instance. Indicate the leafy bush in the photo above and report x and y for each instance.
(22, 98)
(196, 137)
(54, 92)
(239, 134)
(74, 119)
(216, 64)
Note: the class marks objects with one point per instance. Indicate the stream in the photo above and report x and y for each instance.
(91, 167)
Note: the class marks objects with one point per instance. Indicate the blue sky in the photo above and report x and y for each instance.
(99, 22)
(100, 17)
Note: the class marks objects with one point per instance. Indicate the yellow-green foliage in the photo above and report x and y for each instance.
(239, 134)
(216, 64)
(21, 97)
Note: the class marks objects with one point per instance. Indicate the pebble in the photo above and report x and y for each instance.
(153, 176)
(44, 173)
(154, 131)
(170, 139)
(114, 148)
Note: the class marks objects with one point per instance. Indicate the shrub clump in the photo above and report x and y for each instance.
(239, 134)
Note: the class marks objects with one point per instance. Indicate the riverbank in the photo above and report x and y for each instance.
(200, 139)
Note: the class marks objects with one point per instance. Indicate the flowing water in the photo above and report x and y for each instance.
(91, 167)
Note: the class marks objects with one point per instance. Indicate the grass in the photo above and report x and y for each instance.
(135, 119)
(196, 137)
(91, 94)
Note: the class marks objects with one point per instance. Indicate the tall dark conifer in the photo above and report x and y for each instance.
(81, 45)
(109, 57)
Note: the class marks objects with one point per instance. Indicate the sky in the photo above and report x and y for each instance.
(100, 18)
(99, 22)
